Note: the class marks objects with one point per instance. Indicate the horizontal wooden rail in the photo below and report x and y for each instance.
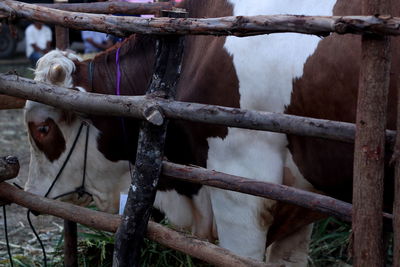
(125, 8)
(107, 222)
(141, 107)
(9, 168)
(238, 26)
(9, 102)
(309, 200)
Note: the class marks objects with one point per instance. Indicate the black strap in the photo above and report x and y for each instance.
(81, 189)
(28, 216)
(6, 234)
(66, 160)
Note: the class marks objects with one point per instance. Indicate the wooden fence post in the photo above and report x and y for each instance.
(370, 144)
(130, 234)
(396, 203)
(70, 228)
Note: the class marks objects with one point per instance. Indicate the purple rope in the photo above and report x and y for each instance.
(118, 92)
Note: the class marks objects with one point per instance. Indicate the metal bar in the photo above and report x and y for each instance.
(370, 144)
(139, 106)
(108, 222)
(150, 152)
(238, 26)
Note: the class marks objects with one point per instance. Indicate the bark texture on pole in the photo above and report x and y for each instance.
(62, 37)
(9, 168)
(141, 106)
(234, 25)
(396, 203)
(70, 244)
(150, 152)
(10, 102)
(370, 144)
(125, 8)
(107, 222)
(70, 228)
(309, 200)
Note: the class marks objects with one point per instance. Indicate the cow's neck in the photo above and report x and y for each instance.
(208, 8)
(136, 62)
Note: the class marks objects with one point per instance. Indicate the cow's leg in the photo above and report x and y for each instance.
(193, 213)
(243, 220)
(292, 250)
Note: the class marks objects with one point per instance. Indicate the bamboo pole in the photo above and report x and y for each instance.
(141, 106)
(370, 144)
(107, 222)
(238, 26)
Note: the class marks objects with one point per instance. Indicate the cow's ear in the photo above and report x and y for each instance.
(57, 74)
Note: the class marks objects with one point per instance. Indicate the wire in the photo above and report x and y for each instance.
(37, 237)
(6, 234)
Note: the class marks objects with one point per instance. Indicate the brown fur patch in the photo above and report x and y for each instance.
(328, 90)
(266, 212)
(48, 138)
(288, 178)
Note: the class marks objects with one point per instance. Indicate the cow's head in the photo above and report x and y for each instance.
(52, 132)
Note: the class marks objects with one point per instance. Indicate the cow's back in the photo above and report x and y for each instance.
(328, 90)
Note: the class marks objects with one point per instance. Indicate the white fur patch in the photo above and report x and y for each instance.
(56, 57)
(266, 66)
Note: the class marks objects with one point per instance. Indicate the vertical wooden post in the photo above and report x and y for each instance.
(396, 204)
(70, 244)
(62, 37)
(70, 228)
(370, 143)
(62, 33)
(133, 227)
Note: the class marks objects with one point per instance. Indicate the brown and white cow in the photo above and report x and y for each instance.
(257, 73)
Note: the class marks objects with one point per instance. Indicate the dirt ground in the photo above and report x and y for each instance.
(14, 141)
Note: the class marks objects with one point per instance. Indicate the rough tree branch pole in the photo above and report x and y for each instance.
(370, 143)
(309, 200)
(150, 152)
(9, 168)
(138, 107)
(108, 222)
(238, 26)
(114, 7)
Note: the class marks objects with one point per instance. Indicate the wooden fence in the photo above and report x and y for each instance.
(369, 129)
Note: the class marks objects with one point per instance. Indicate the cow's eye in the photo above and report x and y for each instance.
(43, 129)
